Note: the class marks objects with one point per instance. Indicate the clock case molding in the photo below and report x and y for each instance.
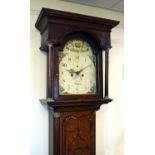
(56, 28)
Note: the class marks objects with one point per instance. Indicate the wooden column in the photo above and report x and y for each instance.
(49, 70)
(106, 71)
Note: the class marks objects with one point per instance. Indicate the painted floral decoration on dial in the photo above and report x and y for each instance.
(77, 68)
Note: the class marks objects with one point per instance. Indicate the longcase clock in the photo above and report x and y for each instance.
(74, 44)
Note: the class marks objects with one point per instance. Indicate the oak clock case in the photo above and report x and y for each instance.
(74, 44)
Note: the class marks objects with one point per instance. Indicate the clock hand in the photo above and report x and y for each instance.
(78, 72)
(71, 71)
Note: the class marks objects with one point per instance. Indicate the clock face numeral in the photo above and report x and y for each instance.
(69, 59)
(64, 65)
(77, 57)
(77, 71)
(68, 87)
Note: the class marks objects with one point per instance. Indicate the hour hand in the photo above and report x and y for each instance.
(71, 71)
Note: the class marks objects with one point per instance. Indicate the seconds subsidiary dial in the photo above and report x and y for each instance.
(77, 68)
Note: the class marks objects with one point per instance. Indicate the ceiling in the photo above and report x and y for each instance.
(115, 5)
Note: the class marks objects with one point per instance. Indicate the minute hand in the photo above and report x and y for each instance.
(78, 72)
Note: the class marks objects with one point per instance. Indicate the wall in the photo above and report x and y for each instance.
(109, 123)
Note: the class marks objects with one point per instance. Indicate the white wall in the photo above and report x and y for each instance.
(109, 119)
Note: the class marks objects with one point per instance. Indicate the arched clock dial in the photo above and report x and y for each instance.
(77, 68)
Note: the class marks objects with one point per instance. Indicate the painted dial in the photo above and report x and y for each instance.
(77, 68)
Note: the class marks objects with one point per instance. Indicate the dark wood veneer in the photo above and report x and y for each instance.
(56, 25)
(72, 117)
(75, 105)
(78, 133)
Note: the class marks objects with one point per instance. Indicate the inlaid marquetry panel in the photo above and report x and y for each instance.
(78, 133)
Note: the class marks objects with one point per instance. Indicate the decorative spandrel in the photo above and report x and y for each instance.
(77, 132)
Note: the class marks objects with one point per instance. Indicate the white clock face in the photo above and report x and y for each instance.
(77, 69)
